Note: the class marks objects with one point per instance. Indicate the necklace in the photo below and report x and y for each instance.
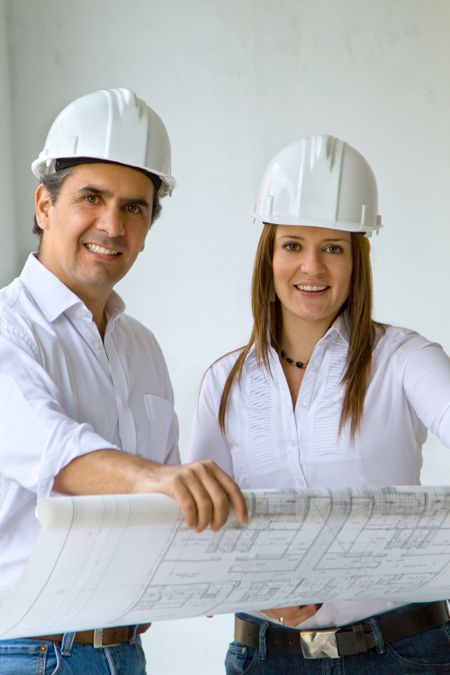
(297, 364)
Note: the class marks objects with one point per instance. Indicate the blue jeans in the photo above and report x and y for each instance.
(41, 657)
(427, 653)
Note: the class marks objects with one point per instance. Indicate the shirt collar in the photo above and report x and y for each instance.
(115, 307)
(53, 297)
(340, 327)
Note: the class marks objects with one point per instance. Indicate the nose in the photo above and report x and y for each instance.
(312, 263)
(112, 221)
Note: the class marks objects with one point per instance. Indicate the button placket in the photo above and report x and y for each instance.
(291, 432)
(303, 410)
(88, 331)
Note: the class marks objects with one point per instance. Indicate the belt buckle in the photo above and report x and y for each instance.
(319, 644)
(98, 639)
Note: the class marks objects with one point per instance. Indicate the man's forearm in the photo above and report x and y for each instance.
(202, 490)
(106, 472)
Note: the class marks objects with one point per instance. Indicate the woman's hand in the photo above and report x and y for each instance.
(292, 616)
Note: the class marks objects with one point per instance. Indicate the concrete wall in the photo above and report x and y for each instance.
(234, 81)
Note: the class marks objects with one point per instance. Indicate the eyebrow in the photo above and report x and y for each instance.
(92, 189)
(295, 236)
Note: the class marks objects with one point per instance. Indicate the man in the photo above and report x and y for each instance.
(86, 398)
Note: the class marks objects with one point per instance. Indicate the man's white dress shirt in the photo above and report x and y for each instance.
(64, 393)
(271, 445)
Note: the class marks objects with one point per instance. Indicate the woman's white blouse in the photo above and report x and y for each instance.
(271, 445)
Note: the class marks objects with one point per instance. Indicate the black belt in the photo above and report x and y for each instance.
(348, 640)
(101, 637)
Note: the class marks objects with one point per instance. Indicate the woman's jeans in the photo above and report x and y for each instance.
(427, 653)
(41, 657)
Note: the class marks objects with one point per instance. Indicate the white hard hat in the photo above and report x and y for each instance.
(113, 125)
(319, 181)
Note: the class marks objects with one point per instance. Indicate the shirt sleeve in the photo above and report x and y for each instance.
(37, 437)
(207, 440)
(426, 383)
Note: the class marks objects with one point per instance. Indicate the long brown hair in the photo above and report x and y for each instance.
(266, 332)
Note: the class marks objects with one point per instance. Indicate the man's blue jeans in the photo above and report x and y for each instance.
(426, 653)
(40, 657)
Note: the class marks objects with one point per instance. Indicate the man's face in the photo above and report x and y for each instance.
(95, 230)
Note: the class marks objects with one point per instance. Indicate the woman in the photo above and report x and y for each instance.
(322, 395)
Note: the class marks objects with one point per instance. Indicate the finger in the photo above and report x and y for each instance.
(292, 616)
(271, 613)
(234, 494)
(306, 612)
(276, 612)
(185, 501)
(202, 499)
(220, 500)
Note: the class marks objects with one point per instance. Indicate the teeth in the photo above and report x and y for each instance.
(307, 287)
(95, 248)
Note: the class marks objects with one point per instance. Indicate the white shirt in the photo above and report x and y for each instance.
(270, 445)
(64, 392)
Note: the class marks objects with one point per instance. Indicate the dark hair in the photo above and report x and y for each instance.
(266, 330)
(54, 181)
(52, 184)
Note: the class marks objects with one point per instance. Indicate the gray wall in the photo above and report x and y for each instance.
(234, 81)
(8, 253)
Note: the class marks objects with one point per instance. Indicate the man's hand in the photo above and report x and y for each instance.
(292, 616)
(203, 492)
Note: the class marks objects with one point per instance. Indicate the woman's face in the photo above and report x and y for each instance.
(312, 268)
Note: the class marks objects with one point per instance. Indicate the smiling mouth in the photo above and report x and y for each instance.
(311, 288)
(96, 248)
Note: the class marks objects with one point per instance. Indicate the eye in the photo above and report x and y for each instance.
(334, 248)
(134, 209)
(291, 246)
(92, 199)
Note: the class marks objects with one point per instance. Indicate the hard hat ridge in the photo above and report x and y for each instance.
(323, 148)
(111, 125)
(319, 181)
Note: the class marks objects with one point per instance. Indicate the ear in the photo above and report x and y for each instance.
(42, 204)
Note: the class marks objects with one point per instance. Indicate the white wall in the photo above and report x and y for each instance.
(8, 262)
(234, 81)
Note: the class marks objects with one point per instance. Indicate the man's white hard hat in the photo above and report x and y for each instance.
(319, 181)
(112, 125)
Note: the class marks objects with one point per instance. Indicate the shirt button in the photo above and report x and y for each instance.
(304, 403)
(98, 347)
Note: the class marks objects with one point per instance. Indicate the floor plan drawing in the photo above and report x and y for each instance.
(123, 559)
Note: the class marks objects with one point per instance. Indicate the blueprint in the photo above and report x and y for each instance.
(126, 559)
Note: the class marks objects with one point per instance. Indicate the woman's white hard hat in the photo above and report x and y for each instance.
(112, 125)
(319, 181)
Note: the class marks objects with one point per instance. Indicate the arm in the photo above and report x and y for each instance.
(43, 448)
(202, 490)
(207, 440)
(426, 383)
